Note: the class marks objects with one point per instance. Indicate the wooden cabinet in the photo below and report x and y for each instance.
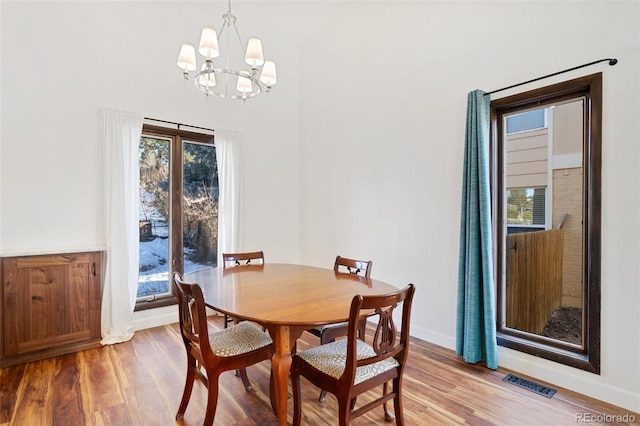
(50, 305)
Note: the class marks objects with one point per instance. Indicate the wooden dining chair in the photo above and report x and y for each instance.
(232, 348)
(330, 332)
(353, 266)
(349, 367)
(231, 260)
(240, 259)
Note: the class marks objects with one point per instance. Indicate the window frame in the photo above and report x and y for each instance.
(586, 357)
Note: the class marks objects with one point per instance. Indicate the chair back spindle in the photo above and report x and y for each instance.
(385, 336)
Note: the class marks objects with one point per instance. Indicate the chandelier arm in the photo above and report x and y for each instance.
(243, 49)
(224, 24)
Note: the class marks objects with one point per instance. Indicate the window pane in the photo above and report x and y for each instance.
(526, 206)
(153, 278)
(526, 121)
(200, 208)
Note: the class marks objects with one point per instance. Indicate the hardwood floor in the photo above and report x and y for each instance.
(140, 383)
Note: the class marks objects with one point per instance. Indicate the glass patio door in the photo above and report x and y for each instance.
(178, 208)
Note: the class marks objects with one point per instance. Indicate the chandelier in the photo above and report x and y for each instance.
(228, 77)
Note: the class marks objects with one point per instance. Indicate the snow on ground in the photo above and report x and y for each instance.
(154, 266)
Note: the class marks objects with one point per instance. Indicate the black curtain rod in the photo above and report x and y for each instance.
(178, 124)
(612, 61)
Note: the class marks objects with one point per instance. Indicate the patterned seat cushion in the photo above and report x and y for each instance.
(238, 339)
(332, 357)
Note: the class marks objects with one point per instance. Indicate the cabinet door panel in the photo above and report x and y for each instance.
(44, 313)
(78, 302)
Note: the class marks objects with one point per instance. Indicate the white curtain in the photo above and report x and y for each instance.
(229, 175)
(121, 133)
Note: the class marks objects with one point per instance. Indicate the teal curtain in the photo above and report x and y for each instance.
(476, 318)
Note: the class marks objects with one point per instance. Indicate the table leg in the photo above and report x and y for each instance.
(281, 364)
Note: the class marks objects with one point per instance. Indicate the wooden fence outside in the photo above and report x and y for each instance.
(534, 278)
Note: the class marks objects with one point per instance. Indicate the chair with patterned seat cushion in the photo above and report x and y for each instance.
(330, 332)
(240, 259)
(349, 367)
(353, 266)
(232, 348)
(231, 260)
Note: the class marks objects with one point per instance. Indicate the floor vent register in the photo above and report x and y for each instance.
(529, 385)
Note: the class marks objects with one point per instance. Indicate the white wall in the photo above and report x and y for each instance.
(357, 151)
(62, 61)
(383, 104)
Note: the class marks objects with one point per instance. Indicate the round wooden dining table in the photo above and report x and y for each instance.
(287, 299)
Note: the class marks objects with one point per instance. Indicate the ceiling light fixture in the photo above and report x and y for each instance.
(232, 79)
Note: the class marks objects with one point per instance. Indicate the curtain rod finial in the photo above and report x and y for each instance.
(613, 61)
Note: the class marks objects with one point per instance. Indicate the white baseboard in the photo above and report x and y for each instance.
(156, 317)
(433, 337)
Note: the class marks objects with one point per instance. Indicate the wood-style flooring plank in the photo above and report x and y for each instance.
(35, 394)
(140, 382)
(10, 379)
(66, 392)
